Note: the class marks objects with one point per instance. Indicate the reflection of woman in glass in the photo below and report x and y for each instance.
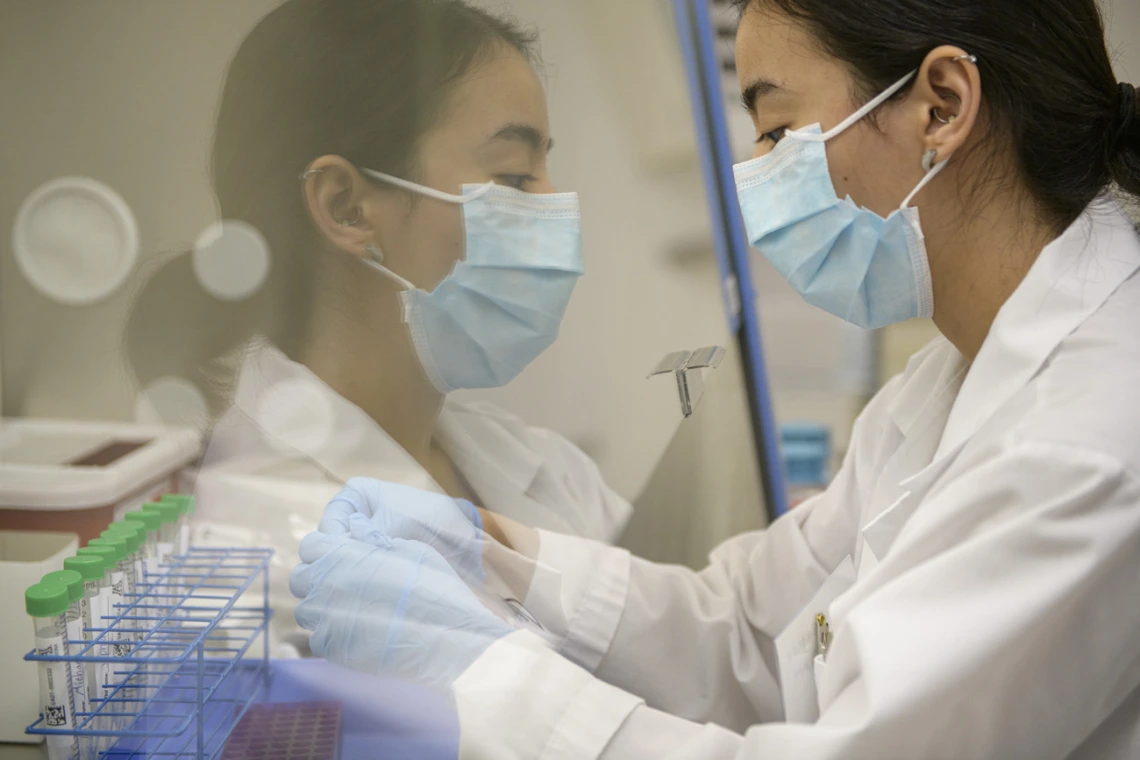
(396, 273)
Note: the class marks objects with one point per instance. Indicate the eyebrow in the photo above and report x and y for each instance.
(526, 134)
(758, 89)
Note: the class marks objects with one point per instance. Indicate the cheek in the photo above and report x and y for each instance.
(435, 241)
(871, 170)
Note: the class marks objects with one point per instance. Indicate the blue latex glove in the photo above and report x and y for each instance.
(452, 527)
(389, 606)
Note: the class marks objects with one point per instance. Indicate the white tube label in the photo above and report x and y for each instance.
(55, 684)
(78, 669)
(101, 610)
(89, 610)
(55, 698)
(183, 539)
(165, 554)
(119, 647)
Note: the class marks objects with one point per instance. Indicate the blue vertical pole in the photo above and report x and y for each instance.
(698, 45)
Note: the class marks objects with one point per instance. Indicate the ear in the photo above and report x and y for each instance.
(339, 199)
(948, 88)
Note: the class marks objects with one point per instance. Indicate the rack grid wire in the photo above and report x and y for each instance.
(178, 651)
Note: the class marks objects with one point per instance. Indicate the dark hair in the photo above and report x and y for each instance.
(362, 79)
(1048, 84)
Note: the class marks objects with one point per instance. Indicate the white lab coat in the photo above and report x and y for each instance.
(289, 443)
(977, 559)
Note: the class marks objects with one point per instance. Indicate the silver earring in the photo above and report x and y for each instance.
(348, 222)
(375, 253)
(949, 119)
(928, 159)
(305, 175)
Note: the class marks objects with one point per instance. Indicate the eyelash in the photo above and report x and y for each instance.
(516, 181)
(775, 135)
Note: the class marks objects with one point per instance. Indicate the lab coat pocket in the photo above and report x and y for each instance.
(799, 644)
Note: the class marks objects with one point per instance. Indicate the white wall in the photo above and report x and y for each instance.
(123, 91)
(1123, 18)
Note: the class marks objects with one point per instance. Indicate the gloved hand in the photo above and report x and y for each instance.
(389, 606)
(452, 527)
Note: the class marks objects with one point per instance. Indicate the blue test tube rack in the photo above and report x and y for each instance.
(188, 671)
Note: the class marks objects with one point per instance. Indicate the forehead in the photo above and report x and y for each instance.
(502, 88)
(771, 46)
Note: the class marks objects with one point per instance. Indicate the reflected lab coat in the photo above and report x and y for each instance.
(977, 559)
(289, 443)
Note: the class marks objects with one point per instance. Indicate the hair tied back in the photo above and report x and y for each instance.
(1127, 119)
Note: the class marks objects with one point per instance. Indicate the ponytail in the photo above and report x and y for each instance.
(1125, 159)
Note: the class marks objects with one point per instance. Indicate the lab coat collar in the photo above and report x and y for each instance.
(931, 382)
(295, 413)
(489, 456)
(1070, 281)
(518, 469)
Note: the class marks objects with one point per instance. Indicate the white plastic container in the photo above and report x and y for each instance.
(72, 476)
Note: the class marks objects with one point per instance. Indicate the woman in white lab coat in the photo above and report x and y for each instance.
(345, 352)
(969, 585)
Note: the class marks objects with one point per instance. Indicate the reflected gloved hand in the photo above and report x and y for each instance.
(389, 606)
(452, 527)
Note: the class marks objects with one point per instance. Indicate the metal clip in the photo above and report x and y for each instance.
(686, 366)
(822, 635)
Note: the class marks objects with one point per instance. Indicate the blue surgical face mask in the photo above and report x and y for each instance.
(847, 260)
(500, 307)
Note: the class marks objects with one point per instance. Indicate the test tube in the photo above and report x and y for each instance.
(47, 604)
(114, 609)
(152, 522)
(140, 556)
(127, 532)
(168, 530)
(73, 582)
(167, 542)
(121, 645)
(99, 604)
(186, 506)
(92, 568)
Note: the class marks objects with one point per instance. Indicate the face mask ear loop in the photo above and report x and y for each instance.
(430, 192)
(930, 175)
(856, 117)
(406, 285)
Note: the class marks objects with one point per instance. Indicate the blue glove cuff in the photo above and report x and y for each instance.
(471, 513)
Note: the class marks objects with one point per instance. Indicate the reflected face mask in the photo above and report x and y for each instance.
(502, 306)
(847, 260)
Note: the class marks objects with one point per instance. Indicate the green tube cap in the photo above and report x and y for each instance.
(70, 580)
(116, 543)
(151, 520)
(90, 566)
(184, 501)
(130, 526)
(46, 599)
(126, 534)
(107, 554)
(167, 511)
